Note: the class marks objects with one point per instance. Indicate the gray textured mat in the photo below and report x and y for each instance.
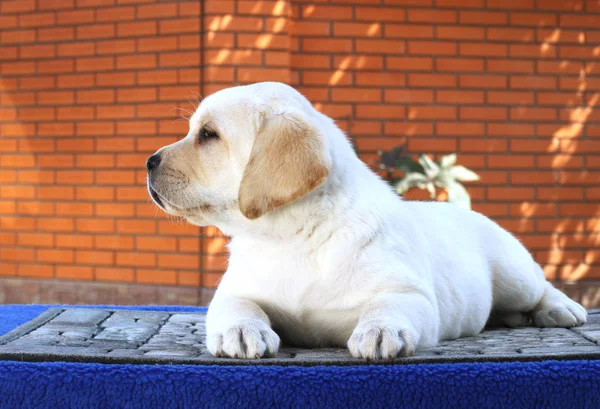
(149, 337)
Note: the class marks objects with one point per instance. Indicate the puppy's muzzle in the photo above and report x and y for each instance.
(151, 164)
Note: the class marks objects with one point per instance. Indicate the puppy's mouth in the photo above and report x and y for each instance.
(170, 208)
(156, 197)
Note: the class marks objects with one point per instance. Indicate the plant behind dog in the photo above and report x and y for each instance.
(427, 174)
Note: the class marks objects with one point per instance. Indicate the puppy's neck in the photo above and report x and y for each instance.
(318, 216)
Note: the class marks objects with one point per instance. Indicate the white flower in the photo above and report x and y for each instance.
(446, 175)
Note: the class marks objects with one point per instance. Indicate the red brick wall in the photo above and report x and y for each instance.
(88, 90)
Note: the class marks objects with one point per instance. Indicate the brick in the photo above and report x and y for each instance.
(484, 145)
(74, 272)
(165, 277)
(408, 96)
(158, 243)
(94, 257)
(74, 241)
(8, 53)
(327, 12)
(75, 113)
(532, 114)
(157, 11)
(190, 261)
(559, 67)
(141, 28)
(431, 47)
(459, 64)
(183, 25)
(511, 162)
(510, 98)
(95, 193)
(510, 34)
(553, 36)
(74, 209)
(36, 114)
(17, 161)
(311, 28)
(17, 36)
(17, 68)
(532, 82)
(462, 128)
(432, 16)
(356, 29)
(378, 111)
(55, 224)
(76, 49)
(559, 194)
(486, 18)
(115, 79)
(74, 17)
(431, 112)
(345, 45)
(136, 94)
(17, 6)
(96, 31)
(55, 256)
(137, 259)
(180, 59)
(37, 51)
(56, 34)
(433, 145)
(115, 14)
(483, 49)
(9, 21)
(115, 274)
(116, 46)
(35, 270)
(74, 177)
(380, 79)
(510, 4)
(460, 97)
(510, 66)
(579, 21)
(18, 224)
(115, 242)
(75, 81)
(17, 254)
(431, 80)
(532, 50)
(94, 64)
(460, 33)
(16, 99)
(17, 192)
(55, 66)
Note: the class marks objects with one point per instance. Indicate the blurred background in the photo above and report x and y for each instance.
(90, 88)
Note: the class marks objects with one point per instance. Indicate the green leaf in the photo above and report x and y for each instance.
(406, 164)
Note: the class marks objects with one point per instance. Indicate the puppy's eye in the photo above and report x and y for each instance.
(207, 134)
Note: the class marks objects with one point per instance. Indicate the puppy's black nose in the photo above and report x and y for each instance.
(153, 161)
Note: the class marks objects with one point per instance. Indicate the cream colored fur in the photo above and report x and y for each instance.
(323, 252)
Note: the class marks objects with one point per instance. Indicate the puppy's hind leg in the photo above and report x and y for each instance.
(520, 289)
(555, 309)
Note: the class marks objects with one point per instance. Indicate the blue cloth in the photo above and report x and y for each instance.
(547, 385)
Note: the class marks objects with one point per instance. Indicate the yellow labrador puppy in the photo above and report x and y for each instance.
(323, 252)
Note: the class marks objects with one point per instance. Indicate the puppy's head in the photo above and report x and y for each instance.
(250, 149)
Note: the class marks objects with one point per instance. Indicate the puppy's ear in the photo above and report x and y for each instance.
(288, 160)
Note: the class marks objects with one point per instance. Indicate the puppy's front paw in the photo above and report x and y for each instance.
(247, 339)
(376, 340)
